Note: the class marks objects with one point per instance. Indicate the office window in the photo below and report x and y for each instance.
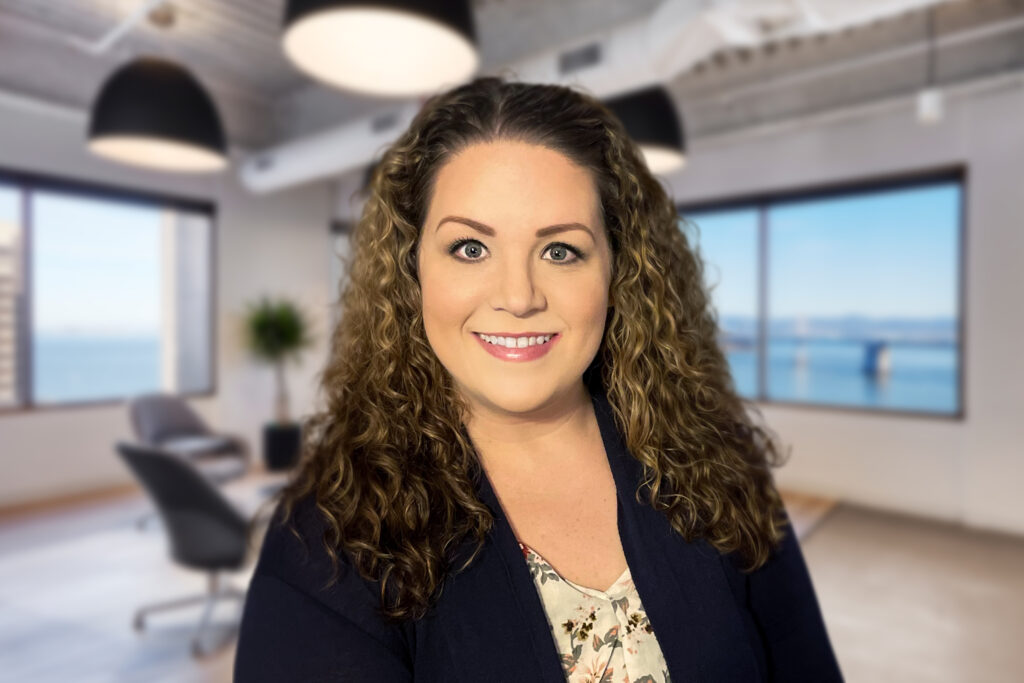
(856, 295)
(114, 294)
(726, 241)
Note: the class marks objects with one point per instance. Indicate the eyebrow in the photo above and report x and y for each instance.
(488, 230)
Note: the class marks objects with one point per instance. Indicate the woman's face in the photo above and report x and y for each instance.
(484, 269)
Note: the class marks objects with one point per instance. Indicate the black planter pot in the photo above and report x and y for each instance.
(282, 444)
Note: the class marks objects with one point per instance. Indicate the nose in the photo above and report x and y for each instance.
(518, 290)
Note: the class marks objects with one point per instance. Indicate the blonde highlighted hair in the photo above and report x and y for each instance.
(387, 459)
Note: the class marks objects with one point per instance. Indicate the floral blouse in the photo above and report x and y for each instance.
(602, 636)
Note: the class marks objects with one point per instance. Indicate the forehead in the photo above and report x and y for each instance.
(511, 182)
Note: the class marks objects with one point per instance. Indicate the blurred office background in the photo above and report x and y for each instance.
(852, 172)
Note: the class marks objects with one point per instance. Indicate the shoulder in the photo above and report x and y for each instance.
(780, 598)
(293, 547)
(296, 619)
(294, 552)
(784, 572)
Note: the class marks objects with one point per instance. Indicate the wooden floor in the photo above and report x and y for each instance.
(904, 599)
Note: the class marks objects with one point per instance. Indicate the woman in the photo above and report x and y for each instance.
(533, 464)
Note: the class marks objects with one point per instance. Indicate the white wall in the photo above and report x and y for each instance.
(278, 245)
(972, 471)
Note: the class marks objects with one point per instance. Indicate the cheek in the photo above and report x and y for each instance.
(583, 303)
(447, 301)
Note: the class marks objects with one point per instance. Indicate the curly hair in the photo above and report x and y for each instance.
(388, 460)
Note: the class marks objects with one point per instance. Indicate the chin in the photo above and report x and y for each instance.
(505, 391)
(523, 396)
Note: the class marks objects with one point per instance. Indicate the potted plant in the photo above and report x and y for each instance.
(275, 332)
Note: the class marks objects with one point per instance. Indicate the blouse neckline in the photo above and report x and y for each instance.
(619, 587)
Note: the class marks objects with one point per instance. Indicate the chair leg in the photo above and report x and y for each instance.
(144, 518)
(215, 591)
(139, 621)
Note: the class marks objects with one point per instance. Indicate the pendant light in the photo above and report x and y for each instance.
(393, 48)
(153, 113)
(654, 124)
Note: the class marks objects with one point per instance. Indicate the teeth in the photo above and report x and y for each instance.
(516, 342)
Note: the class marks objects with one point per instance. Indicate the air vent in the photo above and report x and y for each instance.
(579, 58)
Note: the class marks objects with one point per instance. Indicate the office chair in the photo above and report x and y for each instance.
(205, 531)
(167, 422)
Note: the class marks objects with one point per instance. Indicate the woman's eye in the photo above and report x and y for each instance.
(473, 252)
(563, 253)
(468, 249)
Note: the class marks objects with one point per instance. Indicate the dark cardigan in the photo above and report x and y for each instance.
(714, 623)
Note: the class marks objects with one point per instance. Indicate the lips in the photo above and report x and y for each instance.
(527, 353)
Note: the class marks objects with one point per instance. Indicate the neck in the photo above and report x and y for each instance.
(550, 435)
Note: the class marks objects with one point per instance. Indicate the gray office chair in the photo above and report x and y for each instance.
(167, 422)
(205, 532)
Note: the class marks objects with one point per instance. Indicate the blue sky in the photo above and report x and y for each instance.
(96, 266)
(883, 254)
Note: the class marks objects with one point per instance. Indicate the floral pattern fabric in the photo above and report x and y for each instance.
(602, 636)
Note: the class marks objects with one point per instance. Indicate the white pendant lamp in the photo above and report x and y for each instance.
(153, 113)
(391, 48)
(654, 124)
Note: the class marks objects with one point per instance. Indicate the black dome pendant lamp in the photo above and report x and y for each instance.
(153, 113)
(654, 124)
(391, 48)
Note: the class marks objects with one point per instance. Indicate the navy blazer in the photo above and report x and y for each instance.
(714, 623)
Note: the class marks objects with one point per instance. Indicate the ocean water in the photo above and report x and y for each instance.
(921, 378)
(77, 368)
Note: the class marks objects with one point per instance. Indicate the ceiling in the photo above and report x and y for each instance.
(828, 70)
(53, 51)
(233, 47)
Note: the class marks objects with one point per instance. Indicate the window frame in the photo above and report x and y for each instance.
(761, 203)
(27, 182)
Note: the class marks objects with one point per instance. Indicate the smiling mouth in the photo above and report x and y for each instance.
(517, 341)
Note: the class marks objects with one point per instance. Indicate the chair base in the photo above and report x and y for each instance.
(215, 591)
(142, 521)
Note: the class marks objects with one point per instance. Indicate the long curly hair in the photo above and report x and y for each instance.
(388, 461)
